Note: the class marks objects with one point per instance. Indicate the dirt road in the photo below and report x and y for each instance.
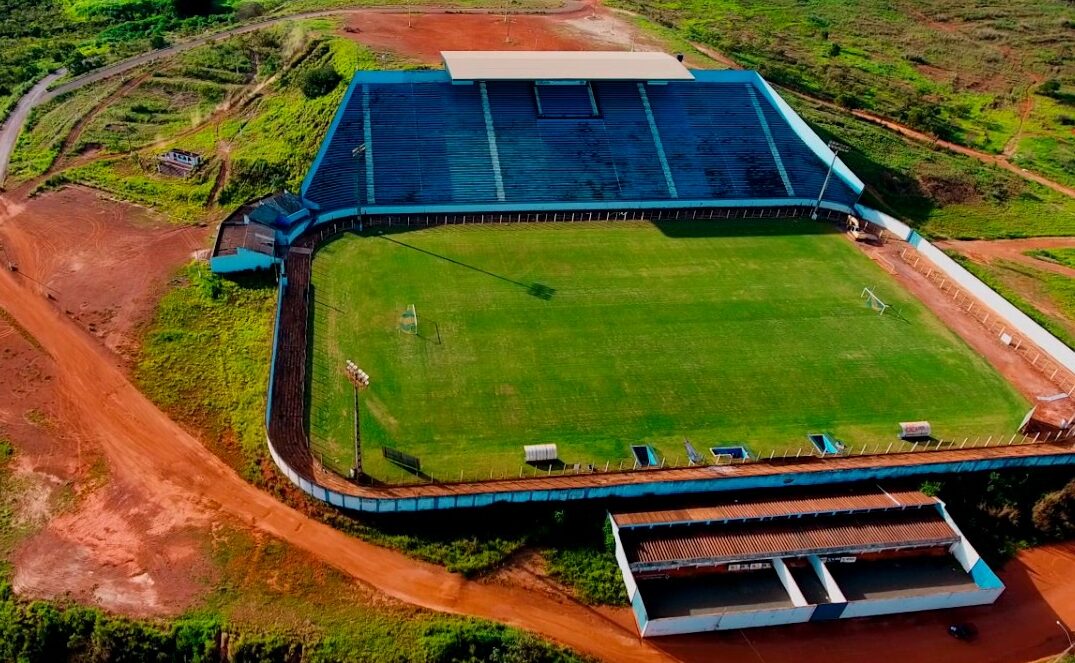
(144, 446)
(1014, 250)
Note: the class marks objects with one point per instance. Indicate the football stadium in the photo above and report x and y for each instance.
(545, 277)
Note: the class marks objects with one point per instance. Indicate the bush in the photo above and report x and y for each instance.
(320, 81)
(1049, 87)
(1054, 513)
(834, 49)
(249, 10)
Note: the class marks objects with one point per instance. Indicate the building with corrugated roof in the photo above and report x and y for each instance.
(788, 557)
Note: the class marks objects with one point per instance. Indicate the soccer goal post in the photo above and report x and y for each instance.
(408, 321)
(873, 302)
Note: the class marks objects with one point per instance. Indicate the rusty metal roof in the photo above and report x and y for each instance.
(780, 505)
(837, 534)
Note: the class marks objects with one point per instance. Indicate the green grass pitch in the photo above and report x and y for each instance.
(600, 336)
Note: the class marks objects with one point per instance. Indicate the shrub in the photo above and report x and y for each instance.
(248, 10)
(834, 49)
(320, 81)
(1049, 87)
(1054, 513)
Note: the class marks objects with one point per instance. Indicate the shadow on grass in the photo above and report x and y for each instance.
(539, 290)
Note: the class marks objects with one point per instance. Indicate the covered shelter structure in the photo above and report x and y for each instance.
(784, 557)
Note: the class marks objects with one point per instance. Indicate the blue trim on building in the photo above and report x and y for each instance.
(984, 576)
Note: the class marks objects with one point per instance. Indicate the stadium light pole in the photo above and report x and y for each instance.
(836, 149)
(359, 380)
(356, 154)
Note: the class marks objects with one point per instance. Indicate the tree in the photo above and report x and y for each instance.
(319, 82)
(1054, 513)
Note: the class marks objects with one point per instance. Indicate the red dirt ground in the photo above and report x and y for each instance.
(96, 538)
(104, 262)
(1014, 250)
(424, 36)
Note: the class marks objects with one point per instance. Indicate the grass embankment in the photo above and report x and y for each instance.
(599, 337)
(1064, 257)
(268, 139)
(943, 195)
(955, 70)
(47, 127)
(1020, 284)
(205, 359)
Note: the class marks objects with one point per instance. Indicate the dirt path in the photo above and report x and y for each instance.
(1026, 107)
(144, 447)
(1014, 250)
(64, 159)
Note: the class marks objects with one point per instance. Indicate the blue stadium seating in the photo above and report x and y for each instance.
(430, 145)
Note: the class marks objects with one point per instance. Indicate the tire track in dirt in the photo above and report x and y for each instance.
(1014, 250)
(64, 157)
(145, 447)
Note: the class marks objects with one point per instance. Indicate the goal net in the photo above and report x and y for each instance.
(873, 302)
(408, 321)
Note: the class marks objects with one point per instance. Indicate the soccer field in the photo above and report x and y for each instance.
(597, 337)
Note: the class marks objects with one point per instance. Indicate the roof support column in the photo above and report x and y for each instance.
(786, 579)
(836, 595)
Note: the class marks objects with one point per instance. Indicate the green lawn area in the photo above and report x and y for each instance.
(600, 336)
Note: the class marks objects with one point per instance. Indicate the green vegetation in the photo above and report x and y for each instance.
(943, 195)
(1064, 257)
(205, 359)
(41, 631)
(586, 562)
(958, 70)
(1018, 283)
(597, 337)
(48, 126)
(9, 530)
(39, 36)
(1002, 513)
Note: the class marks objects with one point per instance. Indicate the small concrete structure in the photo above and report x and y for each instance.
(781, 558)
(180, 163)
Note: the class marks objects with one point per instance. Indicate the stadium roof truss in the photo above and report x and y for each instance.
(564, 132)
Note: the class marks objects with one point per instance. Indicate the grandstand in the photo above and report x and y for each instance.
(472, 140)
(780, 558)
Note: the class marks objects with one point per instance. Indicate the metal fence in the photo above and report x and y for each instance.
(805, 453)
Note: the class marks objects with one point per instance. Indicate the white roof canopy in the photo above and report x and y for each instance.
(563, 65)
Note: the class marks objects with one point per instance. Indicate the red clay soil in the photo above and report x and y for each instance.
(986, 251)
(86, 249)
(424, 36)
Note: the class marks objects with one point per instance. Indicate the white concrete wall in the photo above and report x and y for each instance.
(870, 607)
(621, 560)
(726, 621)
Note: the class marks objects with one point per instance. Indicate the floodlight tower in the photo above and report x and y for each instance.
(358, 153)
(359, 380)
(836, 149)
